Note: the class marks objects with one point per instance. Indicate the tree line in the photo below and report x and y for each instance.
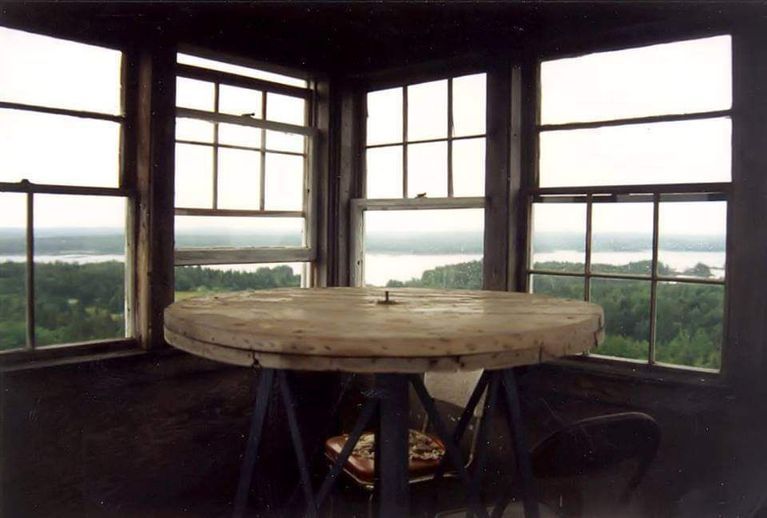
(79, 302)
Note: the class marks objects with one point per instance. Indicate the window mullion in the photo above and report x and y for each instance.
(404, 142)
(654, 274)
(262, 172)
(587, 265)
(450, 137)
(216, 96)
(30, 280)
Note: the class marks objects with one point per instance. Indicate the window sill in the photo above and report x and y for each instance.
(67, 354)
(642, 372)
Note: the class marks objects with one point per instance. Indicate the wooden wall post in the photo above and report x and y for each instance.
(746, 335)
(497, 177)
(155, 157)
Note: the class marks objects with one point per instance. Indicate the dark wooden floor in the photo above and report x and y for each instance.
(140, 438)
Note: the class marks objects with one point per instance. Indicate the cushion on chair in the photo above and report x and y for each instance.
(426, 452)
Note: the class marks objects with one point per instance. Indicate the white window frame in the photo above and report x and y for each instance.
(307, 252)
(653, 193)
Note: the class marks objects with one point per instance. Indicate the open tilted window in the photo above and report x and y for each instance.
(630, 207)
(421, 223)
(243, 178)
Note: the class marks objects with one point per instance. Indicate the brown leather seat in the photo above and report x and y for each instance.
(426, 452)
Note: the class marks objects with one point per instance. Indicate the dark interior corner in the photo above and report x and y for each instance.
(147, 430)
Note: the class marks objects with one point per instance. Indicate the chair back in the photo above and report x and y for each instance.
(591, 445)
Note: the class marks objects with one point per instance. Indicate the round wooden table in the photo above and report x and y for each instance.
(393, 335)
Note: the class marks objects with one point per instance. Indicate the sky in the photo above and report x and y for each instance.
(682, 77)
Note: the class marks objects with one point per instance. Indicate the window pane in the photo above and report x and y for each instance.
(198, 95)
(621, 238)
(559, 237)
(384, 172)
(56, 149)
(681, 77)
(427, 110)
(236, 135)
(689, 325)
(627, 317)
(46, 71)
(239, 179)
(469, 167)
(194, 130)
(239, 101)
(282, 108)
(284, 182)
(194, 176)
(692, 237)
(469, 111)
(427, 170)
(424, 248)
(658, 153)
(193, 281)
(384, 121)
(557, 286)
(291, 142)
(79, 268)
(13, 299)
(221, 66)
(224, 231)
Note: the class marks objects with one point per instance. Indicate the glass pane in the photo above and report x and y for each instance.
(658, 153)
(221, 66)
(681, 77)
(284, 182)
(198, 95)
(692, 238)
(469, 167)
(194, 176)
(384, 172)
(689, 324)
(13, 271)
(79, 268)
(56, 149)
(239, 101)
(384, 122)
(559, 237)
(46, 71)
(427, 110)
(627, 317)
(223, 231)
(291, 142)
(469, 112)
(557, 286)
(239, 179)
(427, 170)
(236, 135)
(621, 238)
(424, 248)
(193, 281)
(194, 130)
(283, 108)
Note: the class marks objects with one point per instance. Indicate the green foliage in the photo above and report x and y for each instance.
(205, 280)
(80, 302)
(73, 302)
(689, 324)
(466, 276)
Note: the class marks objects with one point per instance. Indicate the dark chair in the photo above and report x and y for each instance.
(591, 446)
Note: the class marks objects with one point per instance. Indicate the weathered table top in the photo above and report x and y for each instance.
(349, 329)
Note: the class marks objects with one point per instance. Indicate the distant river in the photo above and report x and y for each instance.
(380, 268)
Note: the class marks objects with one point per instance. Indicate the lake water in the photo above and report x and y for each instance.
(380, 268)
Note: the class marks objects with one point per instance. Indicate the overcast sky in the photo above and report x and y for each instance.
(684, 77)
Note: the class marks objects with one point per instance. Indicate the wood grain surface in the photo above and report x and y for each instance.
(349, 329)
